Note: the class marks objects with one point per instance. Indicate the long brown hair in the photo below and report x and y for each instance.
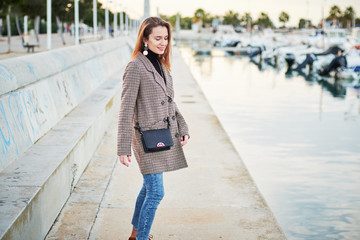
(144, 33)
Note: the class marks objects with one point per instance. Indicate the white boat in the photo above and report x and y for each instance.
(352, 72)
(226, 36)
(327, 38)
(354, 39)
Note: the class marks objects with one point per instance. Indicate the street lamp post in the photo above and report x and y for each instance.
(323, 25)
(95, 17)
(199, 15)
(353, 17)
(25, 25)
(126, 23)
(48, 23)
(115, 23)
(121, 22)
(76, 22)
(177, 28)
(249, 24)
(107, 21)
(307, 15)
(8, 27)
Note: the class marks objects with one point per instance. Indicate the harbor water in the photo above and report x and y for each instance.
(300, 140)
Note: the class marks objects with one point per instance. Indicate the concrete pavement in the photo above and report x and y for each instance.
(17, 49)
(215, 198)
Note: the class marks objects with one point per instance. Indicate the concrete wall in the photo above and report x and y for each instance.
(38, 90)
(54, 110)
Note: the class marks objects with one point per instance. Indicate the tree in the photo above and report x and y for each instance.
(7, 6)
(34, 9)
(284, 18)
(303, 23)
(200, 16)
(348, 16)
(231, 18)
(208, 19)
(334, 14)
(59, 12)
(172, 20)
(264, 21)
(185, 23)
(85, 11)
(246, 19)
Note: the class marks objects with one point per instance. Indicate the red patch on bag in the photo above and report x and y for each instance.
(160, 144)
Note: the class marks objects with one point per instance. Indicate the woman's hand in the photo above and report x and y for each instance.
(125, 159)
(185, 140)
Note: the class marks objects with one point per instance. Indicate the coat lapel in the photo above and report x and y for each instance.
(169, 83)
(150, 67)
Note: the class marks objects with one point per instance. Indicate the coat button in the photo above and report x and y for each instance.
(169, 100)
(177, 135)
(162, 102)
(173, 118)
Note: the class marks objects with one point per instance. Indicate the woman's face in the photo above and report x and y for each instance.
(158, 40)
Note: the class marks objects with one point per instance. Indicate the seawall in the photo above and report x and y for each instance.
(37, 91)
(55, 107)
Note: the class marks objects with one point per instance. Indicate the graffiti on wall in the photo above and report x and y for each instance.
(5, 74)
(29, 107)
(19, 124)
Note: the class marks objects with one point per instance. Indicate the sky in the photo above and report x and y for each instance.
(312, 9)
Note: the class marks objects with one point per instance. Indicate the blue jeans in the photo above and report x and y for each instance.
(152, 192)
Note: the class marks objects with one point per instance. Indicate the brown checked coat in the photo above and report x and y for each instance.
(147, 100)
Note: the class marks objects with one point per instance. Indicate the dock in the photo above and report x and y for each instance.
(243, 51)
(214, 198)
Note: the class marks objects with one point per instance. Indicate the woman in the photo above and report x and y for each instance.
(147, 102)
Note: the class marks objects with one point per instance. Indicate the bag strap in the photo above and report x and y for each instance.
(168, 121)
(137, 126)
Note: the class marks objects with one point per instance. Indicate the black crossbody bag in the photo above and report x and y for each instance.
(156, 140)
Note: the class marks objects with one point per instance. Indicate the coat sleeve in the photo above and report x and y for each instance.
(183, 127)
(130, 89)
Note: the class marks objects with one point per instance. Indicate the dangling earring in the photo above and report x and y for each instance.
(145, 52)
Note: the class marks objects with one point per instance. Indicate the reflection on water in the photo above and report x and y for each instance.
(299, 138)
